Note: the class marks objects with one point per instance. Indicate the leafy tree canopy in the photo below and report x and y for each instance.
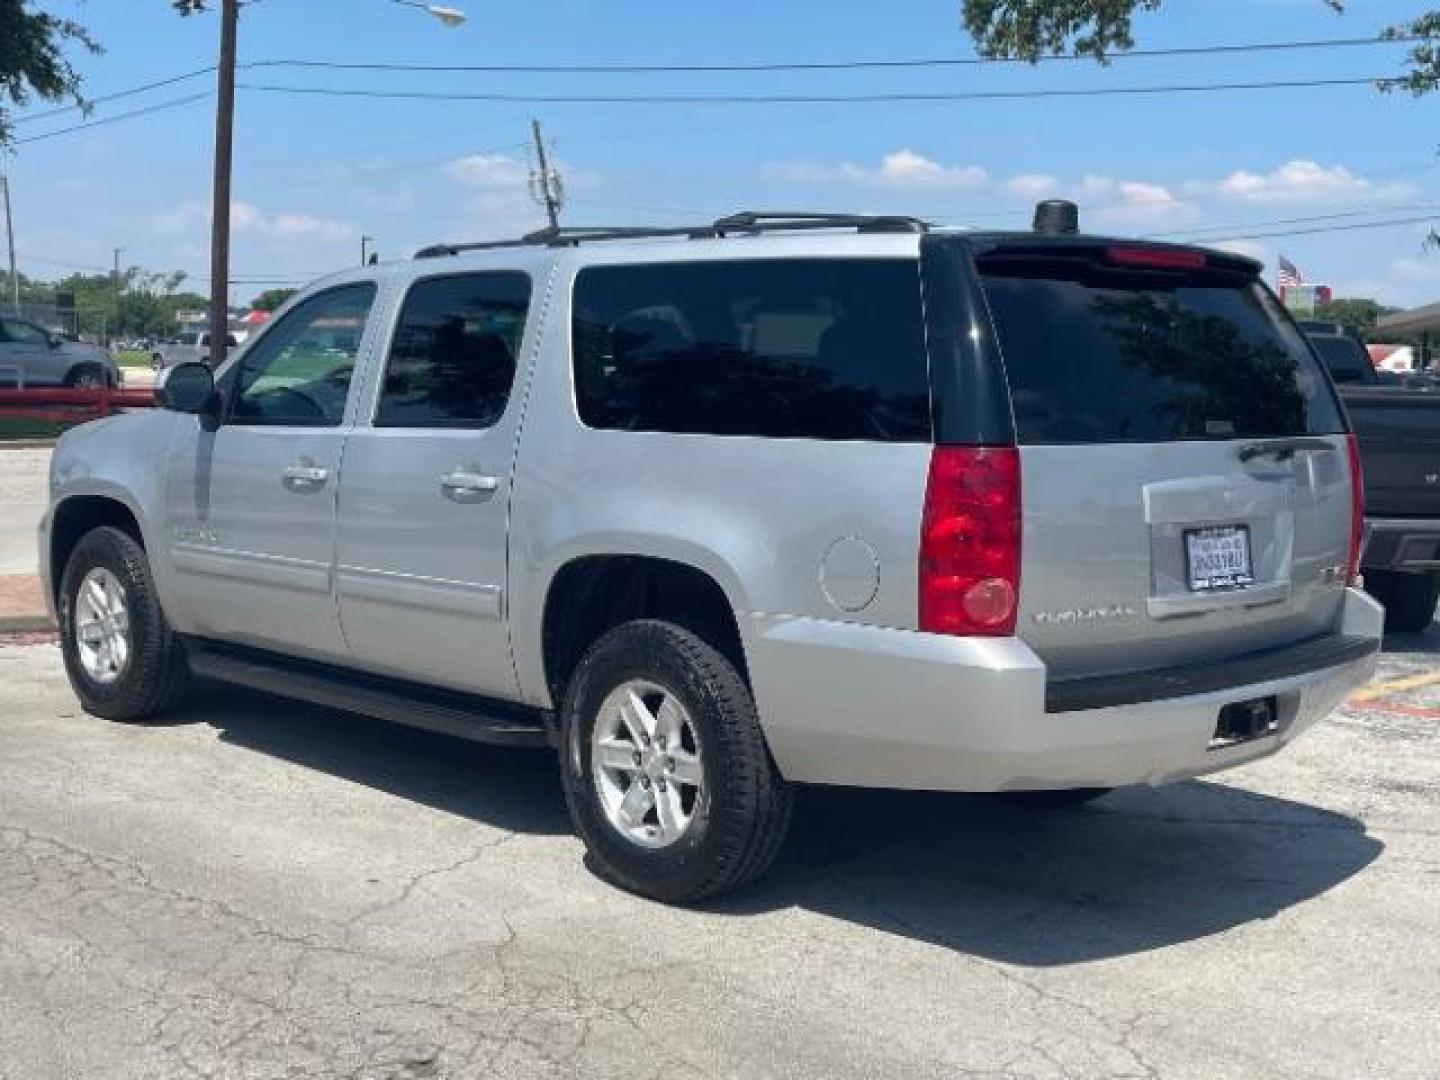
(32, 59)
(271, 299)
(1030, 29)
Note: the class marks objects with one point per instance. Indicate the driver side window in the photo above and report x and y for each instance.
(298, 374)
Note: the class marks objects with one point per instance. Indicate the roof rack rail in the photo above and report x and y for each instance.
(747, 221)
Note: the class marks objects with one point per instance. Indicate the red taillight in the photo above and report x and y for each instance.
(970, 541)
(1357, 509)
(1157, 258)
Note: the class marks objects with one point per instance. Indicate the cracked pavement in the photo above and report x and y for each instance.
(268, 890)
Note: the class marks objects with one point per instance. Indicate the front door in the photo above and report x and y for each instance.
(420, 546)
(252, 505)
(25, 355)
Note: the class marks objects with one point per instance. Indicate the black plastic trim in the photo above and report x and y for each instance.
(1135, 688)
(447, 712)
(969, 393)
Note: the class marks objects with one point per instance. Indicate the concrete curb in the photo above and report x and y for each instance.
(27, 444)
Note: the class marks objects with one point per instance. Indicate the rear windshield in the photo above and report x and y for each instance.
(1344, 356)
(1098, 354)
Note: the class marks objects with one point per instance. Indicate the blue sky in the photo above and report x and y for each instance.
(313, 173)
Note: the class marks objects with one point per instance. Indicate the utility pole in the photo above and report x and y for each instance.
(115, 284)
(545, 184)
(220, 208)
(10, 238)
(364, 240)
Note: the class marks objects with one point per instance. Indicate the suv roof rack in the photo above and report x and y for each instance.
(748, 222)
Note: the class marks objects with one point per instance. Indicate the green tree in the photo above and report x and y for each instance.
(32, 59)
(271, 299)
(1356, 314)
(1030, 29)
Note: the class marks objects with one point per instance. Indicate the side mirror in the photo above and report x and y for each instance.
(188, 388)
(55, 340)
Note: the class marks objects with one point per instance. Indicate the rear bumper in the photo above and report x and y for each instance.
(1410, 544)
(870, 707)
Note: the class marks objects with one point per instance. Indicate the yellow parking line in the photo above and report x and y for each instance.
(1395, 686)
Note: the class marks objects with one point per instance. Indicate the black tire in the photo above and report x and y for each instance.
(1409, 599)
(156, 676)
(743, 812)
(1062, 799)
(86, 377)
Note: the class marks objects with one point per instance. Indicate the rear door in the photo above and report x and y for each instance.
(1185, 483)
(426, 489)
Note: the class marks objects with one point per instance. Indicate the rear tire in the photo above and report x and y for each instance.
(1409, 599)
(86, 377)
(737, 815)
(123, 660)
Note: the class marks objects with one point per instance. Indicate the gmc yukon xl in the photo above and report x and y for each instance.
(717, 512)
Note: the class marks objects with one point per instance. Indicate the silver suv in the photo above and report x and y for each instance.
(31, 356)
(721, 511)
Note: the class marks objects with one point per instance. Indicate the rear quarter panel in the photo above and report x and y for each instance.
(787, 527)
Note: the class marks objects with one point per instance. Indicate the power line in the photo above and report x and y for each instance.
(1394, 223)
(822, 65)
(807, 99)
(117, 95)
(1337, 215)
(160, 107)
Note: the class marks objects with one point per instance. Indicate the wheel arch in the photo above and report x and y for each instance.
(77, 515)
(591, 593)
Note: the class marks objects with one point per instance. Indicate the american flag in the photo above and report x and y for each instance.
(1289, 275)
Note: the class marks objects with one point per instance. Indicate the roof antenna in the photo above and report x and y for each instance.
(1057, 217)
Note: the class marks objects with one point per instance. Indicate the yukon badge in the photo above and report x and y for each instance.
(1078, 616)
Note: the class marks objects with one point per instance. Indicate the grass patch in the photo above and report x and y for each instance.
(11, 430)
(133, 358)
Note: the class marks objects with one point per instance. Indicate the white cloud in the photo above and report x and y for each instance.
(1301, 181)
(1115, 203)
(493, 171)
(902, 170)
(1032, 185)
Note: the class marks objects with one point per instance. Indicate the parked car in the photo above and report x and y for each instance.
(31, 356)
(188, 348)
(1397, 420)
(715, 512)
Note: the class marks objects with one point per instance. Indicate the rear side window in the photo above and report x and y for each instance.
(453, 359)
(783, 348)
(1100, 354)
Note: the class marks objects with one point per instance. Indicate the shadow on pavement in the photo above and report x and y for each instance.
(1139, 870)
(1427, 642)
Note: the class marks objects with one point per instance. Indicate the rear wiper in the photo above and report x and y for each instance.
(1283, 449)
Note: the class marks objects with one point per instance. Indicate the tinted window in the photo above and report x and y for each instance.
(813, 348)
(23, 333)
(1345, 357)
(453, 359)
(299, 372)
(1099, 354)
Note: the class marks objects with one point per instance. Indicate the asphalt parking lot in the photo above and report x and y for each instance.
(260, 889)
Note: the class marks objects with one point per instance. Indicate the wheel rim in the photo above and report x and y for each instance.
(646, 757)
(102, 626)
(86, 382)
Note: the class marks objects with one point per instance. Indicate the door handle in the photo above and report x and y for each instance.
(304, 475)
(468, 485)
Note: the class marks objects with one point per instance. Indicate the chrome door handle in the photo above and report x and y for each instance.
(467, 485)
(304, 475)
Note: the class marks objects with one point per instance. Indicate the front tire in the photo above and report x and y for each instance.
(123, 660)
(667, 775)
(1409, 599)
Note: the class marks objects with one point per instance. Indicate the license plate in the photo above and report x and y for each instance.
(1218, 558)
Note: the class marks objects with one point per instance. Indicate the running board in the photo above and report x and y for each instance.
(444, 711)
